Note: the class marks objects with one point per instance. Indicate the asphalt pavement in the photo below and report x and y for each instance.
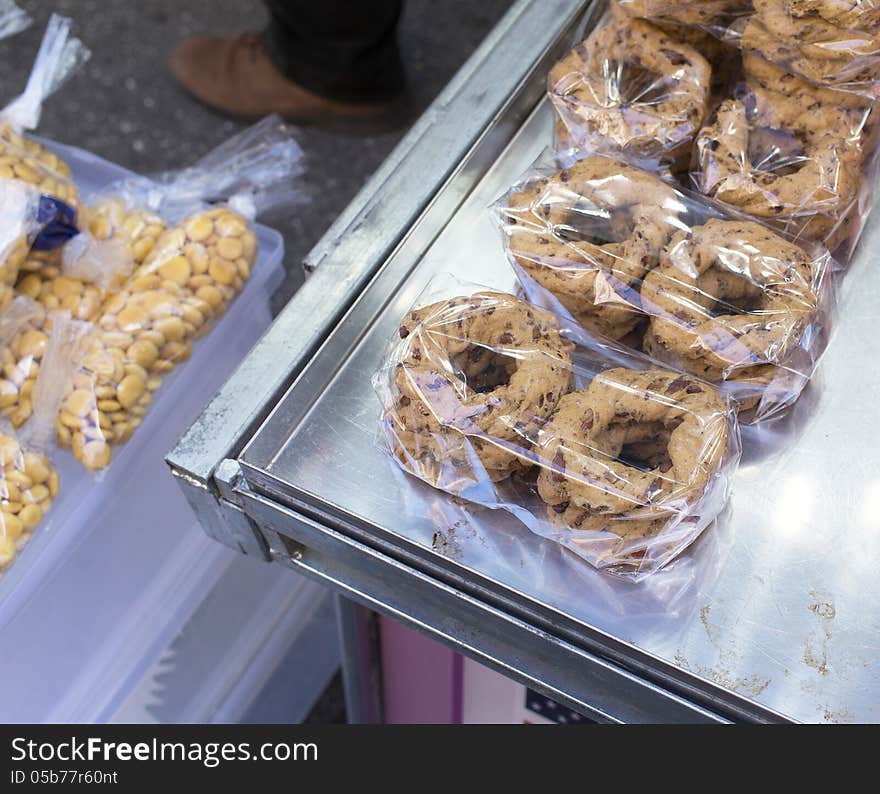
(125, 106)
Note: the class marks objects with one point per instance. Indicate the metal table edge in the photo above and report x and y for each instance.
(260, 487)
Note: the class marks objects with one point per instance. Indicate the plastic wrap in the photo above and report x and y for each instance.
(24, 158)
(715, 15)
(623, 256)
(782, 150)
(44, 282)
(27, 219)
(194, 270)
(212, 199)
(24, 334)
(623, 463)
(28, 486)
(634, 89)
(12, 19)
(29, 482)
(833, 43)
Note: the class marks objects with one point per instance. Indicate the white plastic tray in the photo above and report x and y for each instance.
(120, 564)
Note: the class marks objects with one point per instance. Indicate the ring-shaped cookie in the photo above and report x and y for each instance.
(816, 36)
(630, 452)
(473, 380)
(729, 300)
(835, 67)
(705, 13)
(630, 87)
(587, 230)
(848, 14)
(750, 159)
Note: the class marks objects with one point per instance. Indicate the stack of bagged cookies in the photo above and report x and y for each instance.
(627, 258)
(621, 461)
(789, 132)
(674, 257)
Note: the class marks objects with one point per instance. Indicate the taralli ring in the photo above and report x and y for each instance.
(815, 34)
(586, 231)
(730, 301)
(849, 14)
(629, 454)
(474, 376)
(766, 157)
(701, 13)
(630, 87)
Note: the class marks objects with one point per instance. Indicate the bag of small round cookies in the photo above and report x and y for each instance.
(190, 245)
(619, 460)
(625, 257)
(29, 480)
(22, 157)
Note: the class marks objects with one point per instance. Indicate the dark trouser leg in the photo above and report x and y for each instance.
(341, 49)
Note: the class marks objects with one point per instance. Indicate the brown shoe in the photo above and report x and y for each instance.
(233, 75)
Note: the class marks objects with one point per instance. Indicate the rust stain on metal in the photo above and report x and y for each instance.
(816, 647)
(711, 629)
(446, 541)
(838, 715)
(752, 685)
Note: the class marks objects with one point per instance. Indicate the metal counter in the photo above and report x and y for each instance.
(770, 616)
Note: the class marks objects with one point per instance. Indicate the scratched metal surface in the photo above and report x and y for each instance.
(776, 602)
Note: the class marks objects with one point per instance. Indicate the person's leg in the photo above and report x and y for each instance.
(325, 62)
(342, 49)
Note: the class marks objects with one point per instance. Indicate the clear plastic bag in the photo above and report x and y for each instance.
(191, 274)
(623, 463)
(29, 482)
(716, 15)
(12, 19)
(22, 157)
(213, 199)
(782, 150)
(828, 42)
(44, 281)
(634, 89)
(27, 219)
(28, 486)
(24, 329)
(832, 43)
(624, 257)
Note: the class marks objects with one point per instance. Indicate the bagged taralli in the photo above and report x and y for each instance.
(631, 88)
(782, 150)
(624, 257)
(623, 463)
(188, 278)
(831, 43)
(12, 19)
(714, 15)
(22, 157)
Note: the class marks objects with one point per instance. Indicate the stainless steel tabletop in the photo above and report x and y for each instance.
(777, 602)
